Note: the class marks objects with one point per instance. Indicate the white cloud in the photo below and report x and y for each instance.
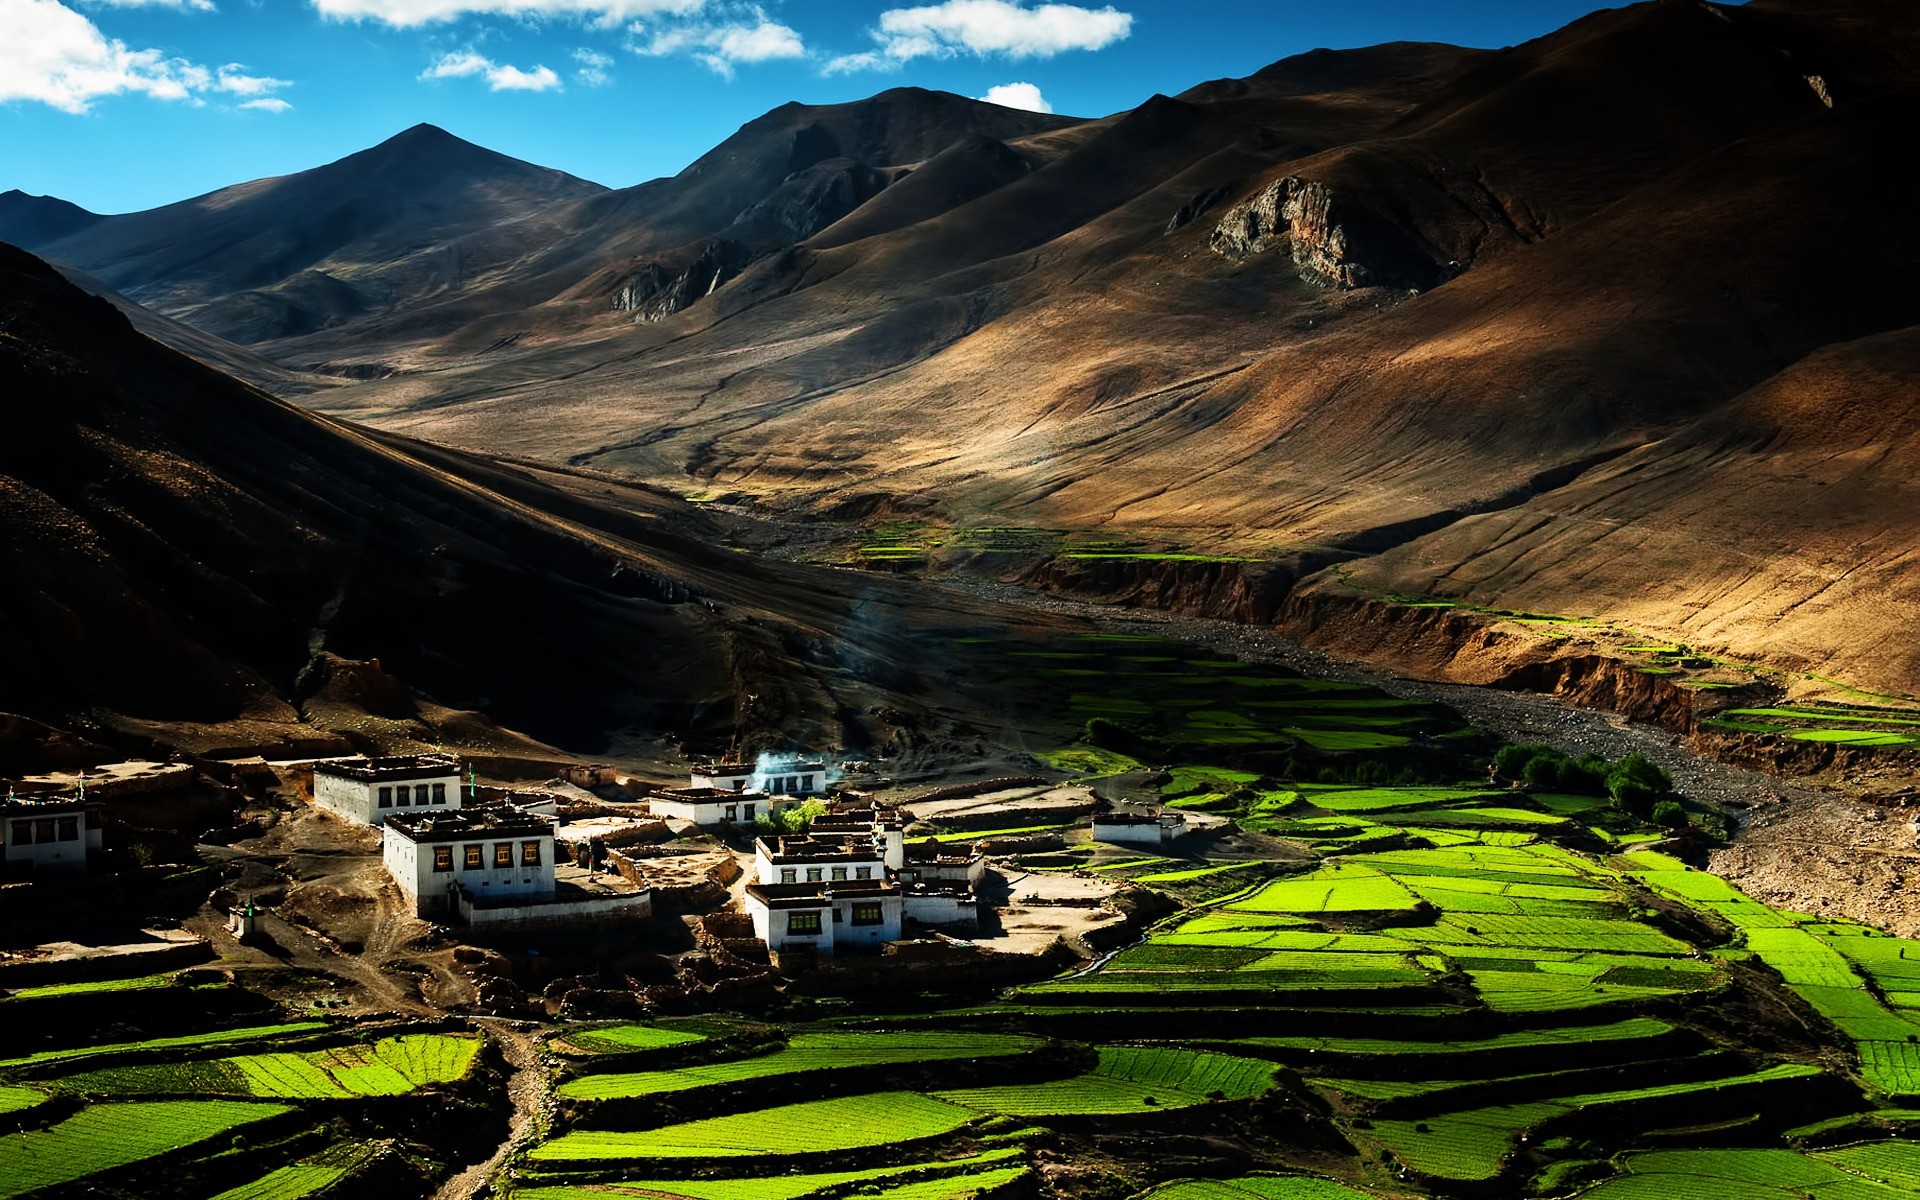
(721, 45)
(592, 70)
(408, 13)
(50, 54)
(1004, 28)
(500, 77)
(198, 5)
(233, 79)
(1018, 95)
(270, 104)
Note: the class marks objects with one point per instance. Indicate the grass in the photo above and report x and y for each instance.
(297, 1181)
(1089, 760)
(813, 1127)
(805, 1052)
(19, 1099)
(106, 1136)
(1128, 1079)
(1257, 1187)
(1374, 799)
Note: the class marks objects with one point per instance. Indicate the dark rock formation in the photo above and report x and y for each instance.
(1334, 241)
(655, 292)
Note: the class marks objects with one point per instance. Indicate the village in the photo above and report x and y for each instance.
(744, 876)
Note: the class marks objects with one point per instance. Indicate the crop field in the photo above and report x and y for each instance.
(106, 1136)
(805, 1052)
(1257, 1187)
(1872, 1171)
(391, 1066)
(1128, 1079)
(621, 1039)
(1403, 798)
(1342, 887)
(18, 1099)
(302, 1179)
(186, 1041)
(53, 990)
(779, 1187)
(812, 1127)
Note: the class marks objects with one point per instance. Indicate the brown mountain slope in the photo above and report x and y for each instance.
(282, 256)
(1298, 323)
(192, 563)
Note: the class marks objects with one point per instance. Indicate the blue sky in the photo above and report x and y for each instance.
(125, 104)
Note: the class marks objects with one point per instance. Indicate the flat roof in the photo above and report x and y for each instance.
(815, 895)
(400, 766)
(787, 768)
(458, 824)
(705, 795)
(800, 847)
(50, 806)
(1137, 818)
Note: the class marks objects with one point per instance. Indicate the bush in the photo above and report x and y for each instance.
(1670, 814)
(1511, 761)
(1631, 797)
(1543, 771)
(789, 820)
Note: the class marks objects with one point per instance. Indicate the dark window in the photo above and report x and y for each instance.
(439, 793)
(839, 872)
(866, 914)
(813, 874)
(750, 811)
(503, 854)
(789, 875)
(530, 854)
(403, 799)
(863, 872)
(803, 922)
(43, 829)
(739, 785)
(733, 812)
(23, 833)
(806, 783)
(69, 829)
(472, 859)
(443, 858)
(386, 797)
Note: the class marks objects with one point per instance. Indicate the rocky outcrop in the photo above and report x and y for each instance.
(1193, 209)
(1334, 241)
(655, 292)
(811, 199)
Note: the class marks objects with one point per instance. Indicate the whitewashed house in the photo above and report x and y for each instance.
(490, 854)
(777, 776)
(818, 858)
(825, 918)
(886, 826)
(1138, 828)
(50, 835)
(369, 790)
(714, 806)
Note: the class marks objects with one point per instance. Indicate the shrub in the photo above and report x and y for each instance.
(1543, 771)
(1670, 814)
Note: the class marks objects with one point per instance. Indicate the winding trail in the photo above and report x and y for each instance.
(528, 1091)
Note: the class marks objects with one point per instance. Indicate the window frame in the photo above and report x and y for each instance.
(804, 924)
(443, 858)
(503, 856)
(474, 856)
(530, 854)
(867, 912)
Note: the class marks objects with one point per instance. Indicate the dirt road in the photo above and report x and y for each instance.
(527, 1089)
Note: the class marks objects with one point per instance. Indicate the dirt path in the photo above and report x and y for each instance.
(527, 1089)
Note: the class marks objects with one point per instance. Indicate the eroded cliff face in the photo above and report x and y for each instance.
(1334, 242)
(655, 292)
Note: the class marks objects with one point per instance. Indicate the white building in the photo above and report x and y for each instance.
(886, 826)
(818, 858)
(775, 776)
(825, 918)
(53, 835)
(1138, 828)
(714, 806)
(491, 854)
(369, 790)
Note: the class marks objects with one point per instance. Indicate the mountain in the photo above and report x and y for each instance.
(1412, 318)
(266, 259)
(25, 219)
(193, 564)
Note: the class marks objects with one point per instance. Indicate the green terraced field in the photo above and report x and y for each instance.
(1129, 1079)
(813, 1127)
(1874, 1171)
(389, 1067)
(17, 1099)
(1342, 887)
(252, 1033)
(620, 1039)
(1257, 1187)
(805, 1052)
(107, 1136)
(51, 991)
(1375, 799)
(302, 1179)
(778, 1187)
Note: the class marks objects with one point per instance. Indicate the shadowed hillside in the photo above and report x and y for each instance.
(192, 563)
